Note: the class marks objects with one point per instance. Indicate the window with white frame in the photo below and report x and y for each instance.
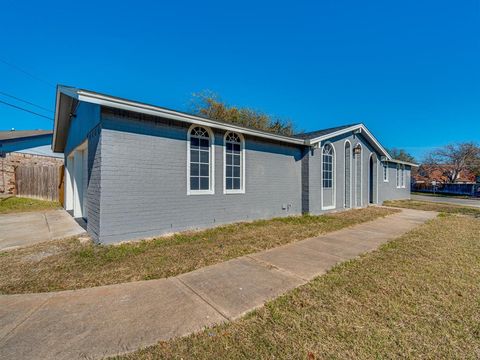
(398, 175)
(327, 169)
(403, 176)
(385, 171)
(200, 161)
(234, 163)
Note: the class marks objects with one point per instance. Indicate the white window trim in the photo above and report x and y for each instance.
(403, 176)
(242, 165)
(397, 176)
(334, 176)
(361, 177)
(375, 158)
(385, 165)
(210, 191)
(350, 149)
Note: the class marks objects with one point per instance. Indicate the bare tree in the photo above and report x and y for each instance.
(453, 159)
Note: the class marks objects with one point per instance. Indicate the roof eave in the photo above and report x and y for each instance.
(110, 101)
(361, 127)
(65, 95)
(403, 162)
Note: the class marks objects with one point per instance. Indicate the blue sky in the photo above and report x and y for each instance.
(410, 70)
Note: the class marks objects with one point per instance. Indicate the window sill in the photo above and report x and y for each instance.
(230, 192)
(200, 192)
(328, 207)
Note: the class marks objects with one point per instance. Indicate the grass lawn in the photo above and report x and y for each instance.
(416, 297)
(18, 204)
(442, 195)
(434, 206)
(69, 264)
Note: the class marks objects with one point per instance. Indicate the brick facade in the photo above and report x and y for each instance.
(8, 163)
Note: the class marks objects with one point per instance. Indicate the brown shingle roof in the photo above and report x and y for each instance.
(18, 134)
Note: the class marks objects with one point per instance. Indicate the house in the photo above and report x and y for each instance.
(24, 148)
(136, 170)
(437, 179)
(441, 174)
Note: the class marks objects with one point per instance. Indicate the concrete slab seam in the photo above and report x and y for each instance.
(202, 298)
(276, 267)
(27, 316)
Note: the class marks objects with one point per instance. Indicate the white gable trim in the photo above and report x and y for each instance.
(361, 128)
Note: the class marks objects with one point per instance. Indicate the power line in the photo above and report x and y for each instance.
(25, 101)
(26, 110)
(26, 72)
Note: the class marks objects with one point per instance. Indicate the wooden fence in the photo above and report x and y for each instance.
(40, 182)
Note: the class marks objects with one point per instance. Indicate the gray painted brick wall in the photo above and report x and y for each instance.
(94, 182)
(388, 190)
(385, 190)
(137, 177)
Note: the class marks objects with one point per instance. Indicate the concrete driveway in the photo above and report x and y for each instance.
(448, 200)
(22, 229)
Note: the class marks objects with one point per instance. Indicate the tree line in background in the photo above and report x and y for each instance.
(450, 161)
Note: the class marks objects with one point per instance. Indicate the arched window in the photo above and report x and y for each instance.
(327, 160)
(200, 179)
(234, 177)
(398, 175)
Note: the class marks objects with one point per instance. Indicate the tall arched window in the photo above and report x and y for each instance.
(327, 160)
(234, 177)
(398, 176)
(200, 179)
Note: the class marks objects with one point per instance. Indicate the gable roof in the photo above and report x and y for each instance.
(317, 133)
(68, 96)
(20, 134)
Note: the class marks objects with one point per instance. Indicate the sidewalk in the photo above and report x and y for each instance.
(113, 319)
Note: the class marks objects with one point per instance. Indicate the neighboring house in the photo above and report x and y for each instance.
(22, 147)
(435, 179)
(439, 173)
(136, 170)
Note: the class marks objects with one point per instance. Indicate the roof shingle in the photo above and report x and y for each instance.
(18, 134)
(317, 133)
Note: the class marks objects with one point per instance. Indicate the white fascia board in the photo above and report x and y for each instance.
(55, 120)
(330, 135)
(360, 127)
(376, 142)
(118, 103)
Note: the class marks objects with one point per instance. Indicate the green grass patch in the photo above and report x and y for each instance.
(69, 264)
(442, 195)
(16, 204)
(434, 206)
(416, 297)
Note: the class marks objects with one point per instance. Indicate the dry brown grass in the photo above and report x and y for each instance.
(434, 206)
(68, 264)
(415, 297)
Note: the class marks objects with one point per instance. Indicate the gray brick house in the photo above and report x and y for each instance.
(135, 170)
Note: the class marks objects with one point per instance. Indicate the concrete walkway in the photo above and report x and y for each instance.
(22, 229)
(448, 200)
(114, 319)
